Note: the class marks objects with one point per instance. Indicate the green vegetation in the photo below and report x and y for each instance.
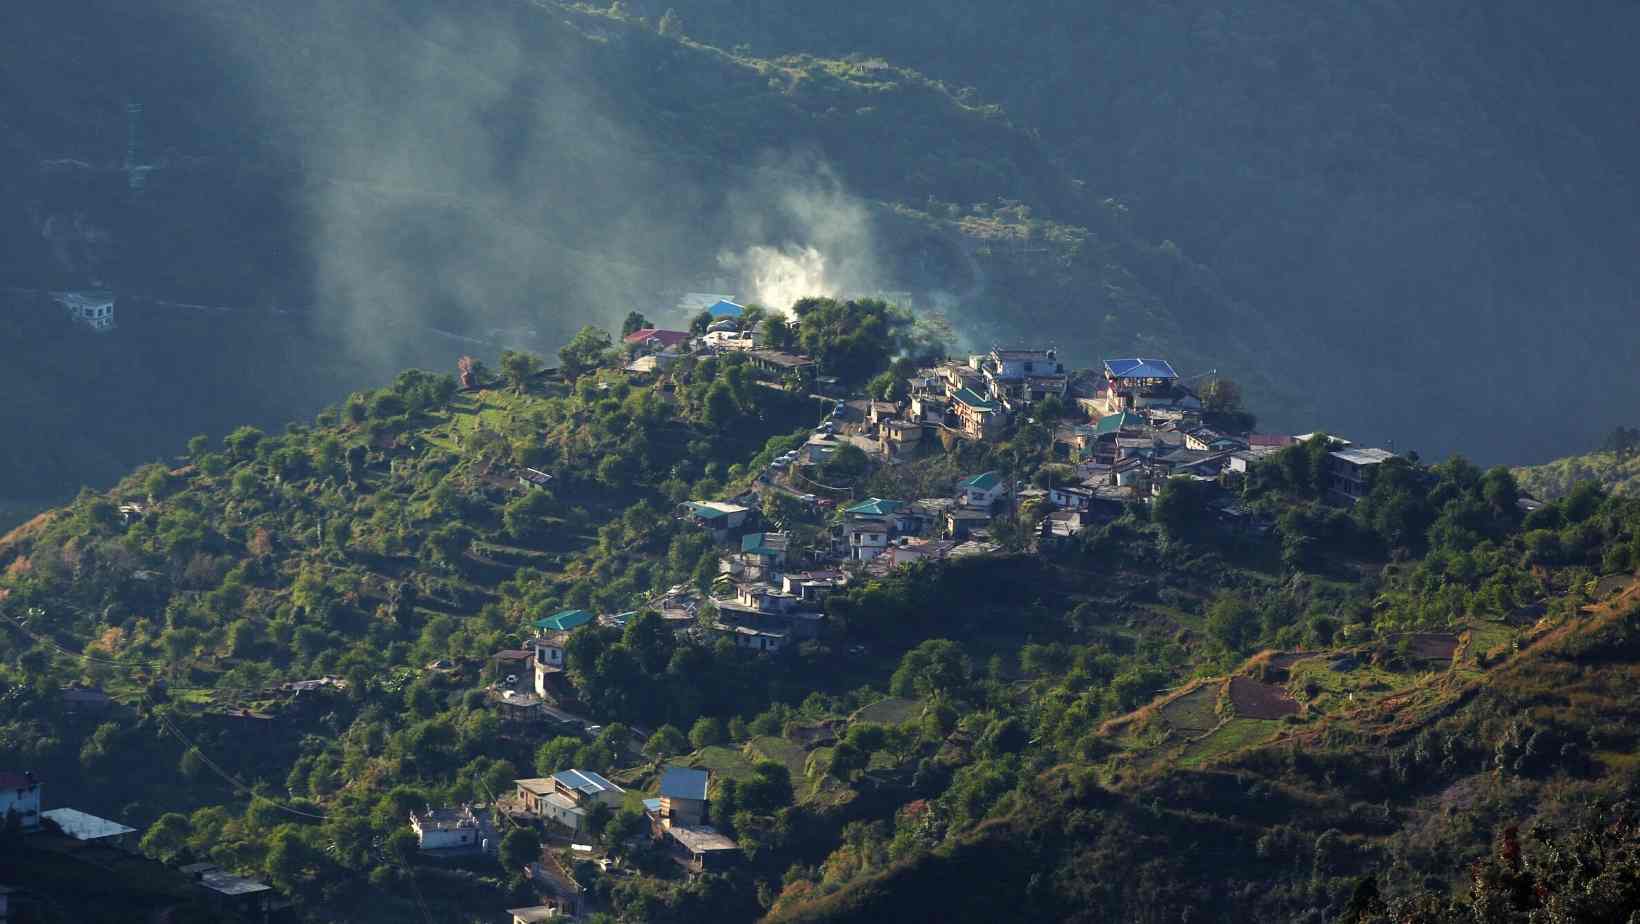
(1352, 670)
(1616, 468)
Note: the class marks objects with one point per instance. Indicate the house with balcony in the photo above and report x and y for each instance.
(1023, 376)
(762, 557)
(978, 418)
(1137, 382)
(865, 539)
(761, 617)
(1349, 471)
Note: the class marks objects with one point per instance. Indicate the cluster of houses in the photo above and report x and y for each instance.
(22, 799)
(678, 816)
(655, 350)
(1122, 432)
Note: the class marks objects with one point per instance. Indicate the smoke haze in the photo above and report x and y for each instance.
(825, 242)
(471, 172)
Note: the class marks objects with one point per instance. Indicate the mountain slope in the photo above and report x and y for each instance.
(1434, 202)
(506, 172)
(1275, 832)
(1615, 472)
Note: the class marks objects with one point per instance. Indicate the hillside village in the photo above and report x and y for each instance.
(1124, 429)
(1069, 453)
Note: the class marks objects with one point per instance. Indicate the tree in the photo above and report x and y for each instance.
(1231, 622)
(387, 404)
(449, 542)
(777, 333)
(665, 742)
(242, 443)
(626, 824)
(1622, 441)
(519, 367)
(937, 668)
(1220, 395)
(701, 324)
(555, 755)
(706, 732)
(598, 818)
(287, 859)
(853, 340)
(401, 847)
(887, 387)
(1180, 508)
(721, 409)
(585, 351)
(198, 446)
(524, 516)
(519, 848)
(166, 837)
(635, 321)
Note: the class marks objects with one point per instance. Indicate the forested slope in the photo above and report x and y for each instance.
(1175, 709)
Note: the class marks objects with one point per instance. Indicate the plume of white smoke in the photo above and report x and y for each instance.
(811, 237)
(465, 171)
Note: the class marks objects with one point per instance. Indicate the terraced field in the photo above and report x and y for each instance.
(1194, 713)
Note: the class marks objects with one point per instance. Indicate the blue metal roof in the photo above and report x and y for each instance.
(684, 783)
(726, 309)
(1139, 368)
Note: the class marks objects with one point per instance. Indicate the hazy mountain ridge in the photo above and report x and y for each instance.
(1430, 206)
(509, 171)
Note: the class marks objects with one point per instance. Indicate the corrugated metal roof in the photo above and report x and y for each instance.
(684, 783)
(564, 621)
(968, 397)
(982, 482)
(876, 506)
(84, 827)
(1140, 368)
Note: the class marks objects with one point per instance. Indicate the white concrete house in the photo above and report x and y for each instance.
(446, 828)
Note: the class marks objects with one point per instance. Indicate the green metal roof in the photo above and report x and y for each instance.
(984, 482)
(711, 511)
(876, 507)
(565, 621)
(1111, 423)
(968, 397)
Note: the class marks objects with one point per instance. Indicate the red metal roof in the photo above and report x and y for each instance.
(666, 337)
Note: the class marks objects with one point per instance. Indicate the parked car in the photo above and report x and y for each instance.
(808, 498)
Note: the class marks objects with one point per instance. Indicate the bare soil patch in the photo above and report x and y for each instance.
(1256, 700)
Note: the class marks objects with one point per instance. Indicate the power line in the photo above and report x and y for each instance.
(227, 777)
